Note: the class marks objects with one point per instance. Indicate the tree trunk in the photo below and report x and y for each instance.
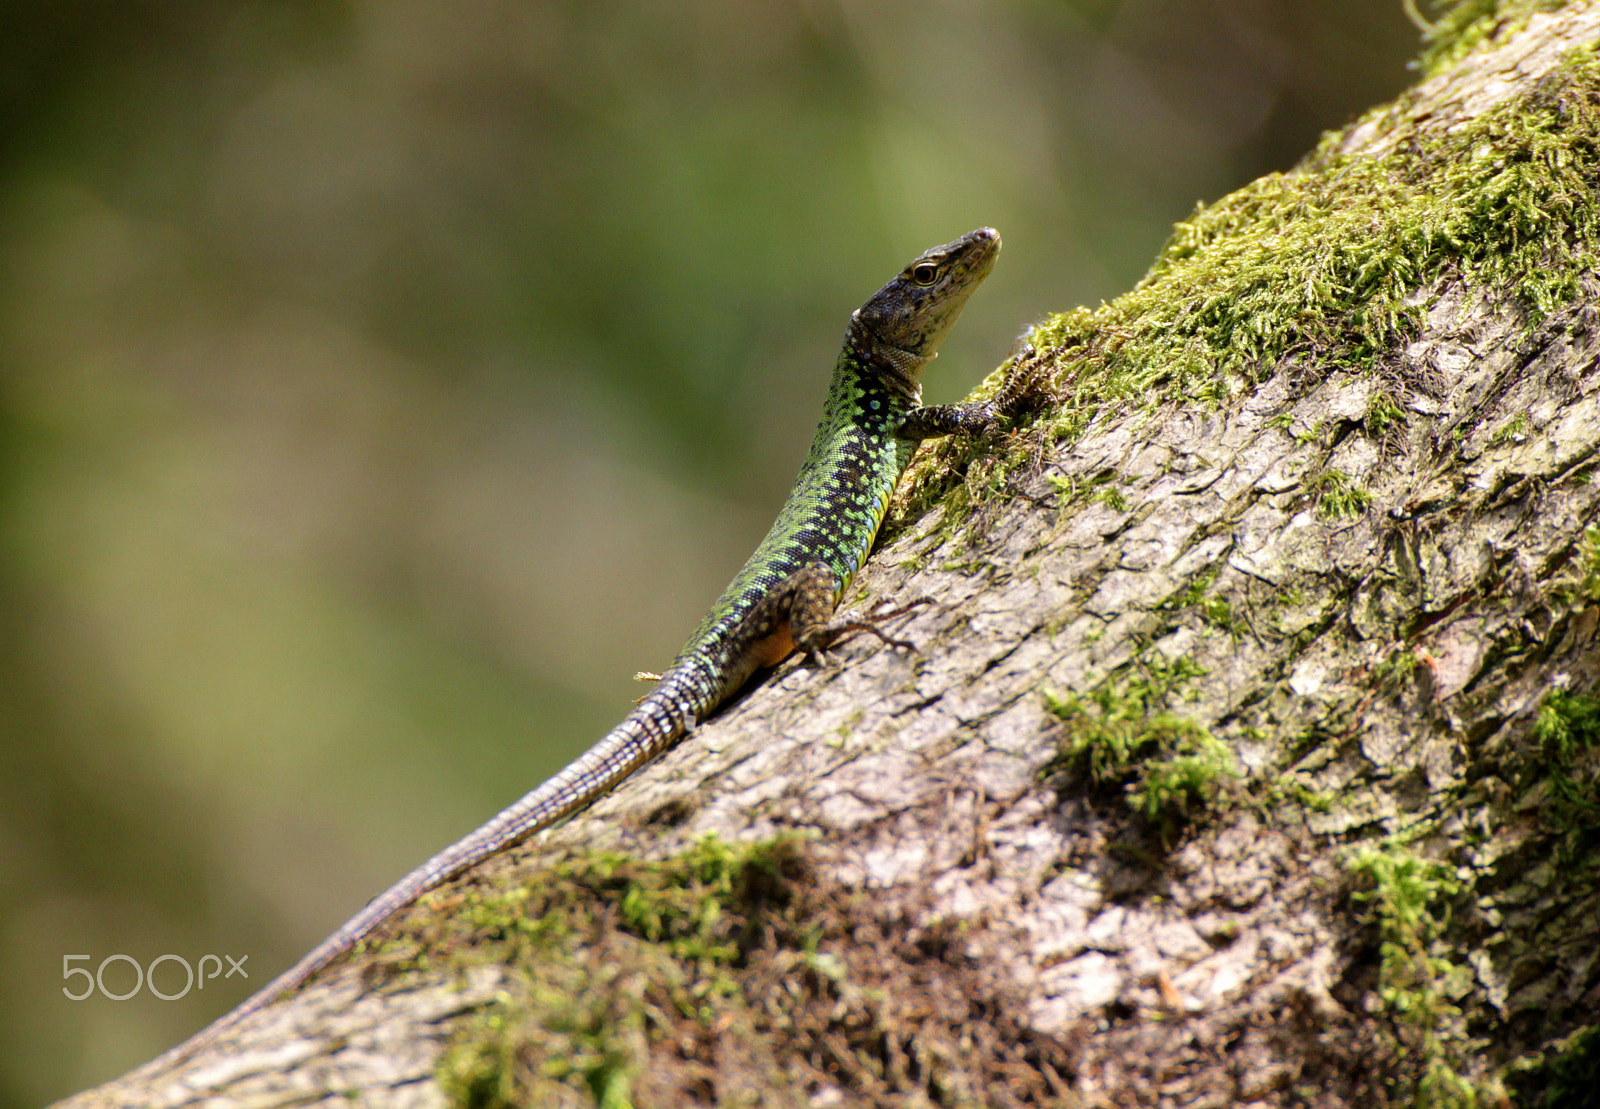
(1250, 753)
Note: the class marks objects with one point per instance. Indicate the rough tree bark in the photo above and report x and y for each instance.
(1250, 752)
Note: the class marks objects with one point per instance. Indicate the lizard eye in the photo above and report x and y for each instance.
(925, 273)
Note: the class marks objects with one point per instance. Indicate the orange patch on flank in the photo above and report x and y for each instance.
(775, 647)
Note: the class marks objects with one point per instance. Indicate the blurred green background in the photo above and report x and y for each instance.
(384, 382)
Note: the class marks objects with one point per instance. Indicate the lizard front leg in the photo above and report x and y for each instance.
(934, 420)
(1026, 387)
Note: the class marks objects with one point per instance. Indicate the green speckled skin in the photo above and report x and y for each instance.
(838, 500)
(784, 597)
(863, 443)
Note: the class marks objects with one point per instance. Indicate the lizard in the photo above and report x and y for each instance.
(784, 598)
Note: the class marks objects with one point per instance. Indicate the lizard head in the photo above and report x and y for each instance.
(908, 318)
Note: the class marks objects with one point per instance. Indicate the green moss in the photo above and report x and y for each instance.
(1513, 430)
(1408, 892)
(1122, 736)
(741, 970)
(1066, 490)
(580, 1033)
(1411, 897)
(1337, 496)
(1398, 665)
(1458, 26)
(1072, 491)
(1298, 794)
(1568, 731)
(1309, 435)
(1326, 262)
(1566, 1076)
(1215, 611)
(1112, 498)
(1168, 789)
(588, 1060)
(1383, 412)
(1192, 594)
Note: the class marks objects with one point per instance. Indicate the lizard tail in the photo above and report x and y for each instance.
(656, 724)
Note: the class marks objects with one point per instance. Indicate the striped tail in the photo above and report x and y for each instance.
(659, 721)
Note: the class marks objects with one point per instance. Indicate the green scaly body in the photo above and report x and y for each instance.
(784, 597)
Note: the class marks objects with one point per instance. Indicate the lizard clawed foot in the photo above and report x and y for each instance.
(869, 621)
(1028, 386)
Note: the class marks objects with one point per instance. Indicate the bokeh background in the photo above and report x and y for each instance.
(383, 382)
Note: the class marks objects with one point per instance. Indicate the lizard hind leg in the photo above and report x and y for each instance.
(816, 625)
(798, 614)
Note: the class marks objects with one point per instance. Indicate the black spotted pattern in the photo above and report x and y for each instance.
(832, 514)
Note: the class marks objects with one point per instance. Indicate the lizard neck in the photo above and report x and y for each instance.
(896, 371)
